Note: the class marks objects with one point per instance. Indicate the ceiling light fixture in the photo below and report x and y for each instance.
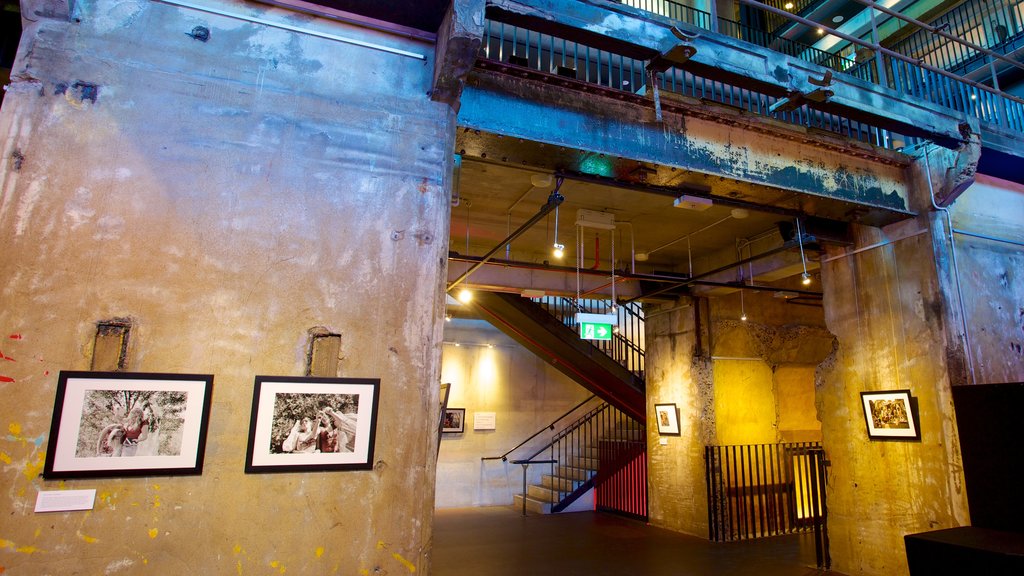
(465, 296)
(447, 317)
(821, 31)
(788, 6)
(559, 249)
(806, 278)
(743, 309)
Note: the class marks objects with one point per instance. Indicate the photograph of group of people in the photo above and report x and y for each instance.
(116, 423)
(314, 423)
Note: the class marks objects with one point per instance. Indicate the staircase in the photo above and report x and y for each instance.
(578, 457)
(595, 449)
(616, 376)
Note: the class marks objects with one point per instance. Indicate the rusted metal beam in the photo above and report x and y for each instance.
(637, 34)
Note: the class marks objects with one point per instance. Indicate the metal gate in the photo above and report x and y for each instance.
(760, 490)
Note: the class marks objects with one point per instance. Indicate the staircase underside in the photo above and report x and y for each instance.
(538, 331)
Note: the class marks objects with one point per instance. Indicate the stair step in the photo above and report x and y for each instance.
(573, 473)
(558, 483)
(585, 463)
(544, 494)
(532, 505)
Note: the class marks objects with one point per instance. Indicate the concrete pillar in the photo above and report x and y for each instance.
(885, 306)
(226, 191)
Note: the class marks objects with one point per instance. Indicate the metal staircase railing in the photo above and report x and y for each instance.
(574, 457)
(627, 343)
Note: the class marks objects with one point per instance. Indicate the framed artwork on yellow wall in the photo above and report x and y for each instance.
(889, 415)
(304, 424)
(667, 416)
(109, 424)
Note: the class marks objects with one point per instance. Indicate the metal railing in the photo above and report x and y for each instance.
(574, 455)
(996, 24)
(763, 490)
(549, 54)
(627, 343)
(504, 457)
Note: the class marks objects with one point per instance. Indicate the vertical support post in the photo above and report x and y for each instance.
(879, 62)
(525, 465)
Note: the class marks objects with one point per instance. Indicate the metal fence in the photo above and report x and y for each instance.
(761, 490)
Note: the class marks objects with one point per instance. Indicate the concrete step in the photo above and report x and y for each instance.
(585, 463)
(533, 505)
(558, 483)
(573, 473)
(544, 494)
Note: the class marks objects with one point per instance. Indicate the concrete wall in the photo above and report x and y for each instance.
(676, 490)
(734, 382)
(991, 277)
(526, 394)
(226, 196)
(884, 305)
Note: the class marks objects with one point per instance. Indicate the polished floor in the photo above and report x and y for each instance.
(499, 541)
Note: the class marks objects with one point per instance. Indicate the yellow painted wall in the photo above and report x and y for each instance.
(794, 393)
(745, 411)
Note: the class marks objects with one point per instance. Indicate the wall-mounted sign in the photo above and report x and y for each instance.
(484, 421)
(596, 326)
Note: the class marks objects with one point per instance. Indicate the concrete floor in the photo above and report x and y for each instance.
(499, 541)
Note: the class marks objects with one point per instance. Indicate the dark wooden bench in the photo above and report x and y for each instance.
(966, 550)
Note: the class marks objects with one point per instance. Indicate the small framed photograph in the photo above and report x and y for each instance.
(108, 424)
(668, 419)
(312, 424)
(889, 415)
(454, 421)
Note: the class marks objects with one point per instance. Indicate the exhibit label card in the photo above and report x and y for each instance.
(65, 500)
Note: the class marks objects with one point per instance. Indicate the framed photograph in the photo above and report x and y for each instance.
(128, 424)
(310, 423)
(454, 421)
(668, 419)
(889, 415)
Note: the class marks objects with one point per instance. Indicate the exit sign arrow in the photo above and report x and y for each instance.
(596, 326)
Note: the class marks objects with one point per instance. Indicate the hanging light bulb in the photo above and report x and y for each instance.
(743, 309)
(806, 278)
(559, 250)
(447, 317)
(465, 296)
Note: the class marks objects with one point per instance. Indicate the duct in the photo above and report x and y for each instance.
(554, 199)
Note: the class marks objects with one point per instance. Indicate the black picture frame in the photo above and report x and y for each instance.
(890, 415)
(305, 424)
(113, 424)
(667, 417)
(454, 421)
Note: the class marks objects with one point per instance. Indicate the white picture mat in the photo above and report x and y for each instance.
(265, 420)
(65, 459)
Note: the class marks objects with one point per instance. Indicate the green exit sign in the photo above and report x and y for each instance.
(596, 326)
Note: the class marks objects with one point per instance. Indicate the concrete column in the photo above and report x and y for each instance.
(884, 304)
(226, 190)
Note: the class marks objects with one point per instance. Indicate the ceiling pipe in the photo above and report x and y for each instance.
(785, 246)
(554, 199)
(676, 192)
(627, 276)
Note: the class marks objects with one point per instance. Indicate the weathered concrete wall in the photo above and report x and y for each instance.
(226, 196)
(745, 411)
(991, 277)
(884, 305)
(526, 394)
(676, 491)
